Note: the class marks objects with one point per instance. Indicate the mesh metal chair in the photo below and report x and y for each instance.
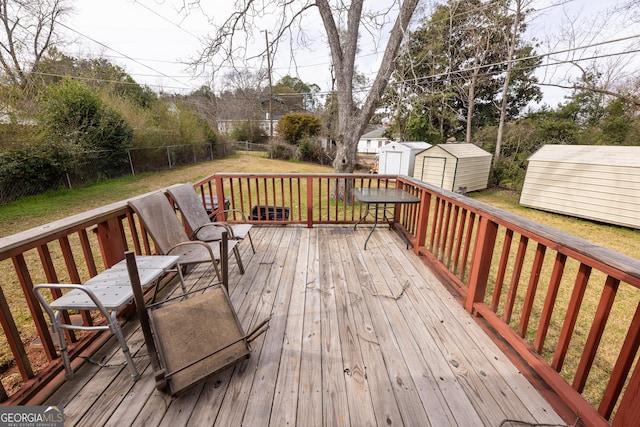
(161, 222)
(191, 339)
(196, 216)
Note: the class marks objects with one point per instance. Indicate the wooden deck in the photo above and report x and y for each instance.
(361, 338)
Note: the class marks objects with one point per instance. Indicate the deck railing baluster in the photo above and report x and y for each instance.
(531, 290)
(571, 317)
(515, 279)
(550, 301)
(595, 334)
(502, 270)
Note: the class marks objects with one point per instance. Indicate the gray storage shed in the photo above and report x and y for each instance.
(454, 166)
(596, 182)
(397, 158)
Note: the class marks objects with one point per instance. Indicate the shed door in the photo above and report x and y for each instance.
(433, 169)
(392, 163)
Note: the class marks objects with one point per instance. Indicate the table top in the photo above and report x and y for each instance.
(111, 297)
(113, 286)
(383, 195)
(151, 261)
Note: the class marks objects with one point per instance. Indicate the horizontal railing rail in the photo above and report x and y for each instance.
(568, 310)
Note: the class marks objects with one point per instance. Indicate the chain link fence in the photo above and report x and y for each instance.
(38, 174)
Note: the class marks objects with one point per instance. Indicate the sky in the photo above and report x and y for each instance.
(153, 40)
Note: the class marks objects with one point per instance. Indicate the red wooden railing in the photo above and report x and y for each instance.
(566, 311)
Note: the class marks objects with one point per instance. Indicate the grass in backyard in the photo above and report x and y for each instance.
(620, 239)
(37, 210)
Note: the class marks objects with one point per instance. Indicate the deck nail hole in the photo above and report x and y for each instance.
(217, 384)
(389, 422)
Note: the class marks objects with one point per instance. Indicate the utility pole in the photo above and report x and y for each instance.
(266, 38)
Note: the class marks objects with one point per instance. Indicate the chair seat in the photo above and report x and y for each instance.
(197, 253)
(210, 234)
(240, 231)
(197, 337)
(151, 261)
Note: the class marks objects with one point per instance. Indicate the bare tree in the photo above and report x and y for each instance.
(597, 53)
(342, 38)
(511, 40)
(28, 32)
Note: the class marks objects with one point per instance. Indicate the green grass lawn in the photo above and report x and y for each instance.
(620, 239)
(37, 210)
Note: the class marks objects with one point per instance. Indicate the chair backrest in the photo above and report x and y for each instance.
(160, 221)
(190, 205)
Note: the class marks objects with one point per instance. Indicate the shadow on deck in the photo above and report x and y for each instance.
(357, 338)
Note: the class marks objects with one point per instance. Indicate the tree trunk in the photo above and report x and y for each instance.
(471, 102)
(507, 81)
(352, 121)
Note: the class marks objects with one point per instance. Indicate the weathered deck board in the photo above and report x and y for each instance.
(356, 338)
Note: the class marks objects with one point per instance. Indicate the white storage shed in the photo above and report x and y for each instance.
(397, 158)
(460, 167)
(595, 182)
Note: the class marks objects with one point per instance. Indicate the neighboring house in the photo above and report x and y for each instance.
(372, 142)
(459, 167)
(397, 158)
(226, 125)
(595, 182)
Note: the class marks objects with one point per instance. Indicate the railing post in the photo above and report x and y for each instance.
(481, 262)
(310, 201)
(423, 221)
(220, 196)
(112, 246)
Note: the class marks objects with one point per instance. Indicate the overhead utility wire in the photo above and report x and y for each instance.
(540, 56)
(114, 50)
(124, 55)
(327, 92)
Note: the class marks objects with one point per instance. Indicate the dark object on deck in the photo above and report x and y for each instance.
(207, 204)
(269, 213)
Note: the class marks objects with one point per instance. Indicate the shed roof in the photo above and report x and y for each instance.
(375, 134)
(406, 146)
(462, 150)
(609, 155)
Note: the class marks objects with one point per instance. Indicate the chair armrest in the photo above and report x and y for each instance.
(195, 242)
(244, 218)
(224, 225)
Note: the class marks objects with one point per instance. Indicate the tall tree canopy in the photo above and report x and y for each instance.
(455, 67)
(342, 23)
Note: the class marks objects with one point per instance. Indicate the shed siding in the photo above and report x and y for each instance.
(473, 173)
(583, 188)
(465, 165)
(397, 158)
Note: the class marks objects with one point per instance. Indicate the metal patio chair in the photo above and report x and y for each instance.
(196, 216)
(189, 340)
(161, 222)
